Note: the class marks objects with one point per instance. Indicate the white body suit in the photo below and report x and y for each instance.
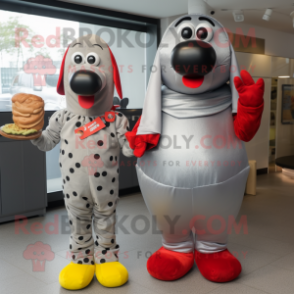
(194, 179)
(196, 176)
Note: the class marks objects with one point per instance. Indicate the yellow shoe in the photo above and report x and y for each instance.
(76, 276)
(111, 274)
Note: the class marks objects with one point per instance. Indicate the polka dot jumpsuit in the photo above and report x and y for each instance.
(90, 173)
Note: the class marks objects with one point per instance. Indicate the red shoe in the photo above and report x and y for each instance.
(169, 265)
(218, 267)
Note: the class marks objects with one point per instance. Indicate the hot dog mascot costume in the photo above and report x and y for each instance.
(91, 136)
(192, 164)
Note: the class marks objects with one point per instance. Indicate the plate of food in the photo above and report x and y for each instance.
(28, 117)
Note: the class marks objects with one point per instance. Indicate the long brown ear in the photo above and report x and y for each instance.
(60, 84)
(116, 76)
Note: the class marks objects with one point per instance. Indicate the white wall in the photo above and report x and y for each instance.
(277, 43)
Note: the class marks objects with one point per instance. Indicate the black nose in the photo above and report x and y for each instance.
(193, 58)
(85, 82)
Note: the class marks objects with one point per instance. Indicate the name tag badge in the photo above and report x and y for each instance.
(90, 128)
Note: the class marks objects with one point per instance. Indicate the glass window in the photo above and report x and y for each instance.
(51, 80)
(32, 48)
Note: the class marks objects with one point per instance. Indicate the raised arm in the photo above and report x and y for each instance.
(250, 106)
(51, 136)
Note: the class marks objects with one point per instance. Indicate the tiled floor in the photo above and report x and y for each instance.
(266, 253)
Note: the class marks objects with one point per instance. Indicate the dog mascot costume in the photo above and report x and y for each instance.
(89, 166)
(192, 165)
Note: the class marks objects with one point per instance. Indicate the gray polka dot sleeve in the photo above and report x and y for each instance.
(51, 136)
(122, 126)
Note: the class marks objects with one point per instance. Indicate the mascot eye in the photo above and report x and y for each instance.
(78, 58)
(187, 33)
(93, 58)
(204, 32)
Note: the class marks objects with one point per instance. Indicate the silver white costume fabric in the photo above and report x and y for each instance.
(198, 170)
(188, 106)
(193, 182)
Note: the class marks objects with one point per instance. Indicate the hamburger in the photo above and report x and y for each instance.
(27, 114)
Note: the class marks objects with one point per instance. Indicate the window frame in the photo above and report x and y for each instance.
(81, 13)
(90, 15)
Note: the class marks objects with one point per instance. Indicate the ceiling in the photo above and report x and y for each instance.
(253, 9)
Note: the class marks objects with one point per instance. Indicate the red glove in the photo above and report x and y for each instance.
(141, 143)
(250, 106)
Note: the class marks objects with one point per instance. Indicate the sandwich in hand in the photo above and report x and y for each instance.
(27, 114)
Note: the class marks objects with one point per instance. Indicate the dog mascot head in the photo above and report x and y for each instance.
(87, 76)
(195, 56)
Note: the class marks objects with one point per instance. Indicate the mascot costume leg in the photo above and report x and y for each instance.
(192, 164)
(89, 162)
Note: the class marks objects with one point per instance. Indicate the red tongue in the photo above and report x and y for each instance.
(193, 82)
(86, 101)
